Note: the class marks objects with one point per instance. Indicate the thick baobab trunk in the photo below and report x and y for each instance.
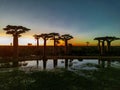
(99, 49)
(108, 47)
(37, 61)
(44, 49)
(108, 53)
(103, 48)
(103, 52)
(66, 47)
(55, 60)
(15, 50)
(15, 45)
(54, 51)
(37, 42)
(66, 53)
(37, 52)
(44, 55)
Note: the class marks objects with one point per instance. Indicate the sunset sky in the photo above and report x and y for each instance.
(83, 19)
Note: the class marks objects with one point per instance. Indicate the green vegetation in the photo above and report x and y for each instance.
(61, 79)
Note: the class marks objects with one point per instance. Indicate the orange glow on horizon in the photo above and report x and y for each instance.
(28, 38)
(25, 40)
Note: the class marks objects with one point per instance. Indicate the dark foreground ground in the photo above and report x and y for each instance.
(61, 79)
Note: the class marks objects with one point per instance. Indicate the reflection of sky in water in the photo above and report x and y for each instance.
(48, 66)
(74, 64)
(79, 64)
(87, 64)
(116, 64)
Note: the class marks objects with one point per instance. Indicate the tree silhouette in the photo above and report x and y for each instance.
(108, 39)
(37, 37)
(16, 31)
(55, 36)
(87, 43)
(65, 38)
(45, 37)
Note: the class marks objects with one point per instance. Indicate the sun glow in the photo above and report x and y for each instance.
(41, 42)
(29, 39)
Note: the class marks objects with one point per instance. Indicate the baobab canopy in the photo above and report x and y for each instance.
(66, 37)
(15, 30)
(102, 40)
(107, 38)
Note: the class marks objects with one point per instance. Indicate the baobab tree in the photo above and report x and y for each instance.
(37, 37)
(16, 31)
(55, 36)
(87, 43)
(108, 39)
(65, 38)
(45, 37)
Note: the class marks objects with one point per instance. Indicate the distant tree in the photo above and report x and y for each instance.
(65, 38)
(56, 37)
(87, 43)
(37, 37)
(45, 37)
(16, 31)
(108, 39)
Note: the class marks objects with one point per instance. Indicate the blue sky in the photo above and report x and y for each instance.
(84, 19)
